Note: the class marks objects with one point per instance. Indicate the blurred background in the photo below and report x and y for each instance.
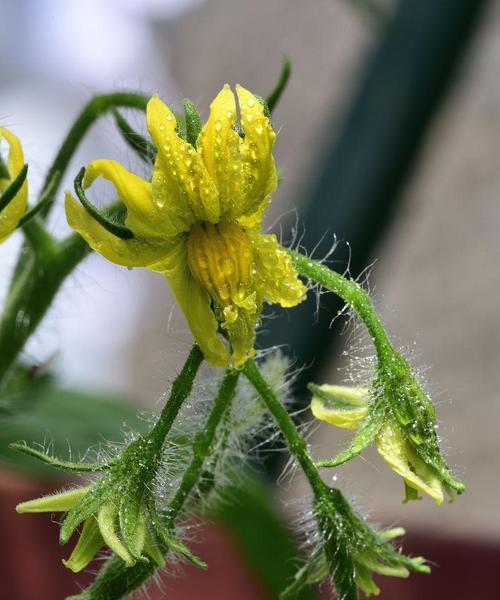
(389, 137)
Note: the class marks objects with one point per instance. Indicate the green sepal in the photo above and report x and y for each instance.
(430, 453)
(103, 219)
(88, 545)
(58, 463)
(91, 502)
(314, 571)
(142, 146)
(167, 537)
(265, 106)
(415, 414)
(107, 518)
(175, 545)
(279, 88)
(132, 521)
(364, 436)
(193, 122)
(152, 548)
(14, 187)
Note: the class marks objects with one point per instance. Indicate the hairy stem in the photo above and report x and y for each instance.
(115, 580)
(352, 293)
(294, 440)
(181, 389)
(203, 443)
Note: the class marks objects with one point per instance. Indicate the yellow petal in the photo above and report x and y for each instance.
(243, 169)
(135, 252)
(12, 213)
(89, 543)
(219, 146)
(182, 187)
(275, 278)
(260, 177)
(342, 406)
(107, 521)
(195, 303)
(60, 502)
(402, 458)
(143, 216)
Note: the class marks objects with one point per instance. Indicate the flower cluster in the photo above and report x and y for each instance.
(199, 222)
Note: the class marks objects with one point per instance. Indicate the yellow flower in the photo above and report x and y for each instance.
(346, 407)
(11, 214)
(199, 222)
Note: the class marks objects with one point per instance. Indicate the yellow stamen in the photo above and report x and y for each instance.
(220, 259)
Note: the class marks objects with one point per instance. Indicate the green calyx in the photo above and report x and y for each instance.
(350, 552)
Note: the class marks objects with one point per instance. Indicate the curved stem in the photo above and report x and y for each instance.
(97, 107)
(294, 440)
(351, 292)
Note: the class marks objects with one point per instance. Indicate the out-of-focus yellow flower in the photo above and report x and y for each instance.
(15, 209)
(199, 222)
(346, 407)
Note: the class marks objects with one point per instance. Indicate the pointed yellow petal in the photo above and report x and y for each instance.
(195, 303)
(60, 502)
(219, 145)
(182, 187)
(89, 543)
(260, 177)
(342, 406)
(402, 458)
(12, 213)
(143, 216)
(243, 169)
(275, 277)
(135, 252)
(107, 521)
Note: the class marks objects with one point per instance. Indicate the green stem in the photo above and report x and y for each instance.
(352, 293)
(33, 293)
(97, 107)
(203, 444)
(295, 442)
(37, 278)
(181, 389)
(116, 581)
